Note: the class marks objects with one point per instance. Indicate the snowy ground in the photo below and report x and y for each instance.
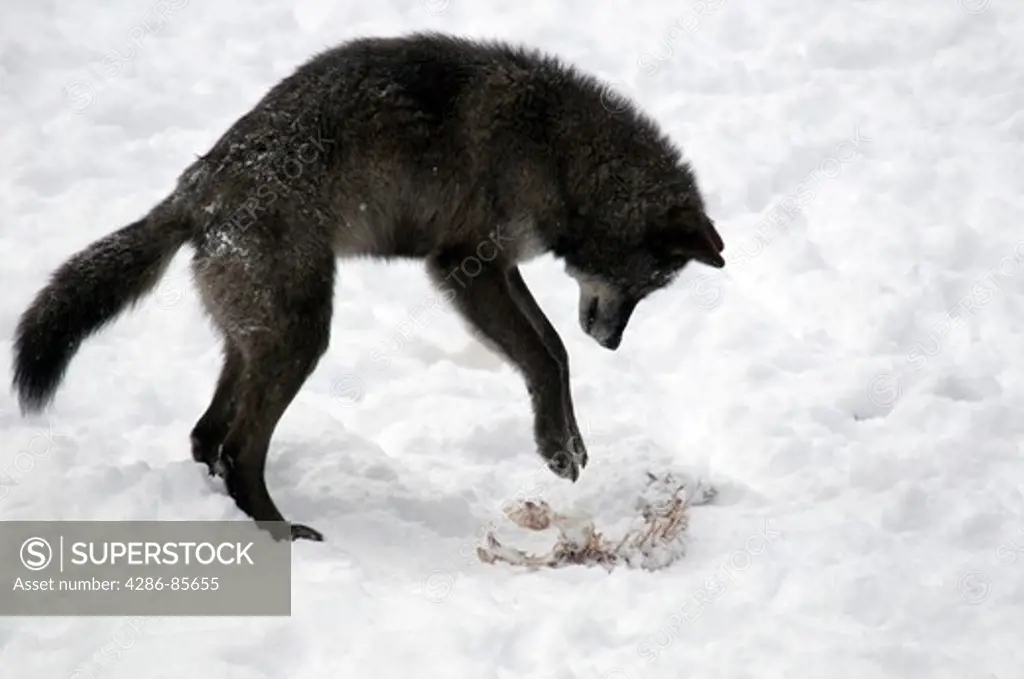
(851, 381)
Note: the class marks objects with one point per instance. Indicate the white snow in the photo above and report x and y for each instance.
(851, 382)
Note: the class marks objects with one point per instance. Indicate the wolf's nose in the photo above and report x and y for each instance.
(611, 343)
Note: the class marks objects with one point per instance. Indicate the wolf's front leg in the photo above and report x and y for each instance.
(524, 298)
(487, 302)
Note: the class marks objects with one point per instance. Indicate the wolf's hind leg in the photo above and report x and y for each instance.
(271, 296)
(209, 432)
(276, 369)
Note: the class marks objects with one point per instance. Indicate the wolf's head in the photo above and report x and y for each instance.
(634, 215)
(630, 261)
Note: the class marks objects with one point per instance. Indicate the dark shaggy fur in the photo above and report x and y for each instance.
(471, 156)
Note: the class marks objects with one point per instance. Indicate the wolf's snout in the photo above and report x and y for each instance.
(604, 318)
(611, 343)
(609, 333)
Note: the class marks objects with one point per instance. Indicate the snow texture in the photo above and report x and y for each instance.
(850, 382)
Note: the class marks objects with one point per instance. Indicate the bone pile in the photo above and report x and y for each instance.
(656, 540)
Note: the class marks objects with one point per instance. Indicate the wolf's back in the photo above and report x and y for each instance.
(84, 294)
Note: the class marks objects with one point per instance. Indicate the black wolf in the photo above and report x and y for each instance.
(472, 156)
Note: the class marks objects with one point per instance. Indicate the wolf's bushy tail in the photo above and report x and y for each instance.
(85, 293)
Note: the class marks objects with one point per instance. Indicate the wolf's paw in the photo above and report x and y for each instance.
(220, 467)
(301, 532)
(282, 531)
(578, 449)
(565, 453)
(567, 461)
(563, 465)
(206, 453)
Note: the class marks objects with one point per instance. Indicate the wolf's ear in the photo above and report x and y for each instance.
(691, 235)
(702, 244)
(713, 234)
(703, 256)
